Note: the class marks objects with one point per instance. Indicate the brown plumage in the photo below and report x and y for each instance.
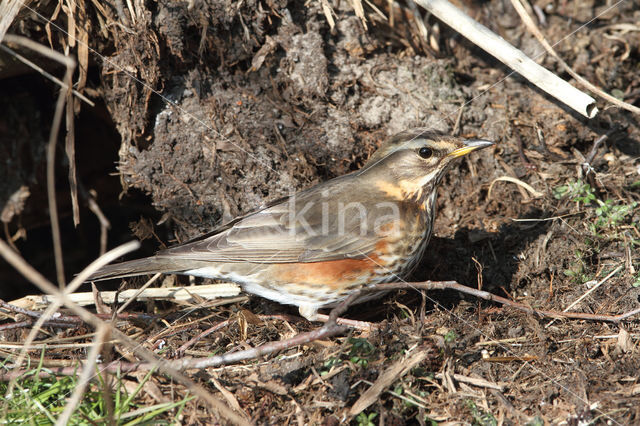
(312, 249)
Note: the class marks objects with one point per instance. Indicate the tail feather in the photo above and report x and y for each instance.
(144, 266)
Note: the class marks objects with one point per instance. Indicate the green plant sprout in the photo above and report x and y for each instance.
(609, 213)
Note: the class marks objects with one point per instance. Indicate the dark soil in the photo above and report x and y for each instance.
(213, 109)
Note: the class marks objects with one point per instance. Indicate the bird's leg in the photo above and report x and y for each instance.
(310, 312)
(358, 325)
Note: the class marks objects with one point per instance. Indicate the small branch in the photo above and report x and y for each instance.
(591, 290)
(176, 294)
(64, 320)
(481, 294)
(531, 26)
(105, 225)
(329, 329)
(481, 383)
(181, 350)
(512, 57)
(388, 377)
(39, 280)
(586, 166)
(532, 191)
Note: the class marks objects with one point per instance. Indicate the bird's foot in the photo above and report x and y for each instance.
(311, 314)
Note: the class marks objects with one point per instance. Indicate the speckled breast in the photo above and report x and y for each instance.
(408, 250)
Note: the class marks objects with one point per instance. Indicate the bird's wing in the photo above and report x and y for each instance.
(319, 224)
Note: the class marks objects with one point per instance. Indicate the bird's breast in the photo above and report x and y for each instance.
(418, 220)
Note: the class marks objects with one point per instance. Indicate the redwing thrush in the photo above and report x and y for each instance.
(314, 248)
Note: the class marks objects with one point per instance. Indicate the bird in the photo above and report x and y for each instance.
(316, 247)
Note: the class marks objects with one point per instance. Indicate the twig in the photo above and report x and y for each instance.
(358, 325)
(137, 293)
(523, 157)
(543, 144)
(180, 294)
(105, 225)
(7, 235)
(181, 350)
(390, 375)
(66, 320)
(512, 57)
(60, 319)
(540, 15)
(12, 207)
(481, 383)
(531, 26)
(51, 179)
(15, 325)
(329, 329)
(591, 290)
(586, 166)
(453, 285)
(326, 331)
(419, 22)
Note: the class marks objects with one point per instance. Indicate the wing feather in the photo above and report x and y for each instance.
(306, 227)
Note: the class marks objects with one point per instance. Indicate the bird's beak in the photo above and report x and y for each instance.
(470, 145)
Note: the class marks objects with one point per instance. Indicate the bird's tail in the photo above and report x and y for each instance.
(145, 266)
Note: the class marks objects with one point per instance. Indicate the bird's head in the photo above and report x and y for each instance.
(413, 162)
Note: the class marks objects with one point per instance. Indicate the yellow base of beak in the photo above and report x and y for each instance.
(470, 146)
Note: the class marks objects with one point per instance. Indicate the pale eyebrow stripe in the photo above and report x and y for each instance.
(441, 145)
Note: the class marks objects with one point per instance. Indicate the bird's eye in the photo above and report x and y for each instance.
(425, 152)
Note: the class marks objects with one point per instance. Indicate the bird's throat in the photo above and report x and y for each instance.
(410, 189)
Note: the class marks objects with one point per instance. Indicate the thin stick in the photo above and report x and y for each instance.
(330, 329)
(586, 166)
(525, 185)
(531, 26)
(35, 277)
(453, 285)
(70, 150)
(71, 320)
(179, 294)
(605, 279)
(181, 350)
(51, 181)
(512, 57)
(398, 369)
(138, 292)
(90, 196)
(591, 290)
